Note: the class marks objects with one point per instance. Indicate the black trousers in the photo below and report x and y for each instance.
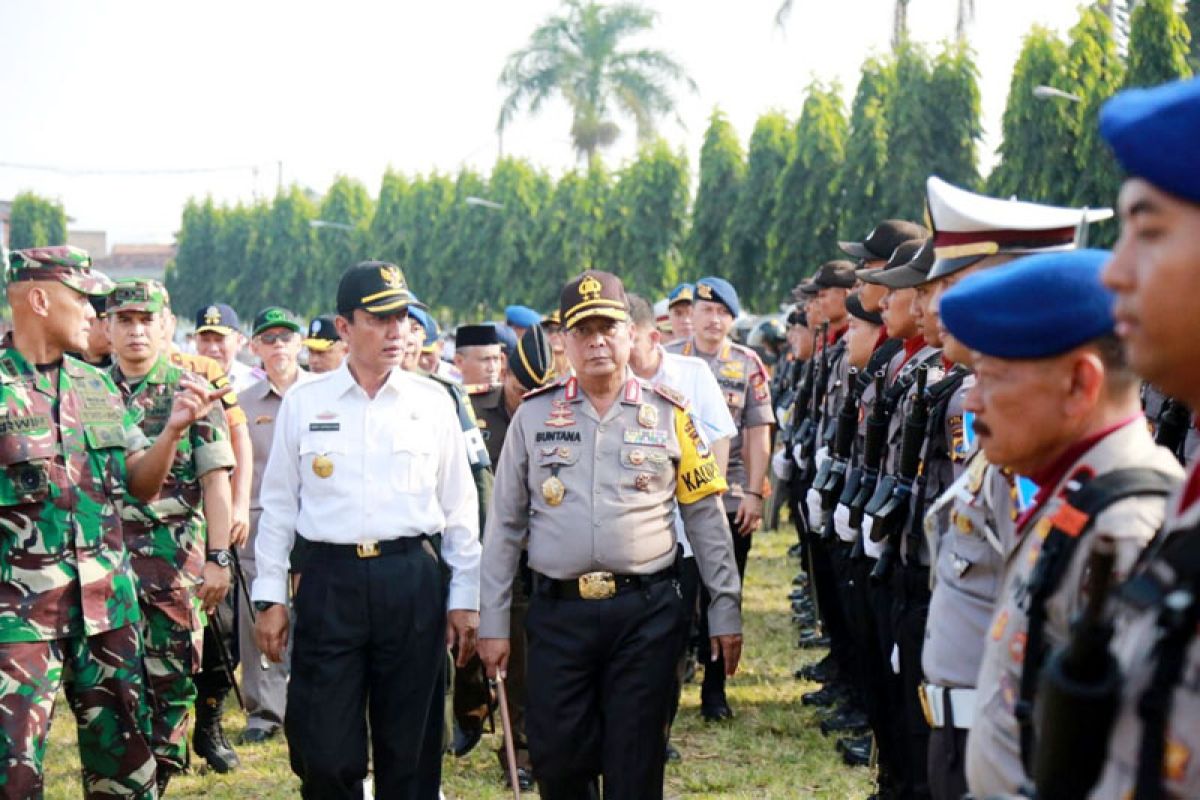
(712, 690)
(910, 613)
(880, 606)
(369, 642)
(947, 762)
(689, 586)
(879, 683)
(601, 677)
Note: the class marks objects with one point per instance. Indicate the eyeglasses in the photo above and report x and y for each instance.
(276, 336)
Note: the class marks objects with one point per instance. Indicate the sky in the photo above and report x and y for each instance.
(137, 106)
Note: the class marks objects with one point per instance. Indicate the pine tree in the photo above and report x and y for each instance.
(1158, 44)
(865, 171)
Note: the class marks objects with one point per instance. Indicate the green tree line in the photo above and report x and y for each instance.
(765, 214)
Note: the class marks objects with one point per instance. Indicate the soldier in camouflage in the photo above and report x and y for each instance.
(180, 563)
(70, 452)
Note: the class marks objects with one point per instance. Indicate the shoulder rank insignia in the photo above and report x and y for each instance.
(677, 398)
(548, 387)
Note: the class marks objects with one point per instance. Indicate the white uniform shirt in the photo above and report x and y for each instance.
(399, 468)
(692, 378)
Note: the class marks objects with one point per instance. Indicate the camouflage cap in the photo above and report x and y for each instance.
(137, 294)
(63, 263)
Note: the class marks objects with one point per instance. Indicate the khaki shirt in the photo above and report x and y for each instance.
(1136, 635)
(993, 749)
(491, 416)
(744, 382)
(599, 494)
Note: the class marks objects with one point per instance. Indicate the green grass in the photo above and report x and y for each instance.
(773, 749)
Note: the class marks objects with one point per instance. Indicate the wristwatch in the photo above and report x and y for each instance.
(262, 605)
(222, 558)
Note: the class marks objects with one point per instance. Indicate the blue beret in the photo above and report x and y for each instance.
(522, 317)
(1155, 135)
(680, 294)
(508, 338)
(427, 322)
(1036, 307)
(720, 291)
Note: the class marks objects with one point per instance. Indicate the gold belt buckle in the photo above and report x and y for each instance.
(926, 708)
(367, 549)
(597, 586)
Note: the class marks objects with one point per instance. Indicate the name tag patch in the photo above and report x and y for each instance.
(324, 426)
(649, 438)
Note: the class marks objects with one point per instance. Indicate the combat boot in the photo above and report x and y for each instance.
(209, 740)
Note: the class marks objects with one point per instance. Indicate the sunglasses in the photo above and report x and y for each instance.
(276, 336)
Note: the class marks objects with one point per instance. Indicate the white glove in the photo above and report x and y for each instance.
(781, 465)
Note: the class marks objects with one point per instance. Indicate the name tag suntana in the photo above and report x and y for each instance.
(649, 438)
(325, 426)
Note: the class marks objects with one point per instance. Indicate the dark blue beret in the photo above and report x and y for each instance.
(1035, 307)
(720, 291)
(1155, 134)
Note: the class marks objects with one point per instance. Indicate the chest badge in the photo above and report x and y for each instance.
(322, 466)
(637, 458)
(561, 416)
(642, 481)
(647, 416)
(553, 490)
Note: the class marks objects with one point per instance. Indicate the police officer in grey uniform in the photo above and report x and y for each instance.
(592, 471)
(743, 378)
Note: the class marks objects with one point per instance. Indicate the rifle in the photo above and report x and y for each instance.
(1078, 694)
(1174, 420)
(218, 634)
(808, 441)
(876, 438)
(892, 504)
(835, 477)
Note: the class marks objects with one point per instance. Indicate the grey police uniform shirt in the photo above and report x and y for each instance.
(619, 478)
(744, 382)
(993, 749)
(970, 529)
(1134, 643)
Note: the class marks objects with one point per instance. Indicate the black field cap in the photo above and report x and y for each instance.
(534, 361)
(911, 273)
(374, 286)
(804, 291)
(902, 255)
(854, 308)
(881, 242)
(592, 294)
(835, 275)
(476, 335)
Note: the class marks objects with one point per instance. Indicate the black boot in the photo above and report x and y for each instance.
(161, 779)
(209, 740)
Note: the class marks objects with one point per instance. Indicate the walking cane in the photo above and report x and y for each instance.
(240, 578)
(510, 751)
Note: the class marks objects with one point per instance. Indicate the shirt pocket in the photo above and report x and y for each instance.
(976, 563)
(645, 470)
(321, 455)
(25, 463)
(414, 460)
(106, 444)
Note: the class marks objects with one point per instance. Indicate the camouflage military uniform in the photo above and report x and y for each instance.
(166, 540)
(67, 594)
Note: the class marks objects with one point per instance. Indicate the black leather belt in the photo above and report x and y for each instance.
(598, 585)
(367, 549)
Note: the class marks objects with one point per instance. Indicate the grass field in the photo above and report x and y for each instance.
(772, 750)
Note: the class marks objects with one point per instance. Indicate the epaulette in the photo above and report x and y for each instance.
(555, 384)
(480, 388)
(676, 398)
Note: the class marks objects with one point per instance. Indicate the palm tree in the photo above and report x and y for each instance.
(578, 55)
(966, 15)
